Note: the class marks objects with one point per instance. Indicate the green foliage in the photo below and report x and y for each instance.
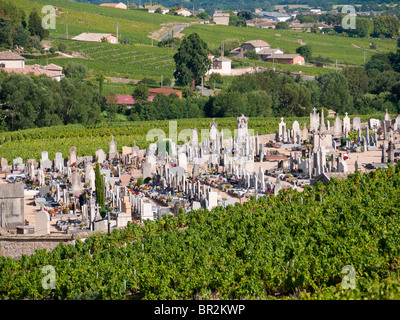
(305, 51)
(387, 26)
(282, 26)
(31, 102)
(141, 92)
(75, 71)
(252, 55)
(294, 245)
(191, 60)
(100, 187)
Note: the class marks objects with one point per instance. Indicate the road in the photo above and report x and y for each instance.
(176, 30)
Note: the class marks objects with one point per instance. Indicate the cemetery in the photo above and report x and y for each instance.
(211, 168)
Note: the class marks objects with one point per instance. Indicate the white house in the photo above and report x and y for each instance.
(222, 66)
(276, 16)
(184, 12)
(115, 5)
(153, 8)
(96, 37)
(11, 60)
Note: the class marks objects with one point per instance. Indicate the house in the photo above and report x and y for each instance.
(315, 11)
(115, 5)
(126, 100)
(11, 60)
(276, 16)
(255, 45)
(184, 12)
(96, 37)
(165, 91)
(222, 66)
(221, 18)
(35, 70)
(287, 58)
(265, 53)
(14, 63)
(153, 8)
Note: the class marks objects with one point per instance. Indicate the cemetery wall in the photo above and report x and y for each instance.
(14, 246)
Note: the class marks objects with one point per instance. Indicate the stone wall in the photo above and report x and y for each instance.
(15, 245)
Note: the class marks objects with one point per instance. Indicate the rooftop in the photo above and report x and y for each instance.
(6, 55)
(257, 43)
(87, 36)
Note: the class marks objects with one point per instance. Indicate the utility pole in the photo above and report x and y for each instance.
(202, 86)
(117, 31)
(336, 66)
(364, 57)
(66, 30)
(161, 81)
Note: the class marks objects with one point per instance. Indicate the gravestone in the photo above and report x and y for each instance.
(135, 150)
(12, 205)
(296, 128)
(59, 161)
(72, 155)
(126, 150)
(42, 222)
(146, 170)
(4, 164)
(314, 120)
(374, 123)
(337, 126)
(113, 148)
(346, 123)
(125, 179)
(182, 161)
(100, 155)
(18, 164)
(304, 133)
(356, 123)
(76, 183)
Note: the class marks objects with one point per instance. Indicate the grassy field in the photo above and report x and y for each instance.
(135, 25)
(344, 49)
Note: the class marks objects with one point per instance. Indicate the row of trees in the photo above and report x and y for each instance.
(18, 30)
(379, 26)
(29, 102)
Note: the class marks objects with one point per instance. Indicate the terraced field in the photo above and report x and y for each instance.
(128, 61)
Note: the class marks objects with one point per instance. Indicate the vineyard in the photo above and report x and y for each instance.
(292, 246)
(345, 49)
(29, 143)
(135, 25)
(127, 61)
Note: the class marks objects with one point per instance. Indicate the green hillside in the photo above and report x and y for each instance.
(345, 49)
(135, 25)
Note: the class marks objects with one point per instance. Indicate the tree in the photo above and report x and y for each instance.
(35, 25)
(75, 70)
(335, 92)
(215, 78)
(245, 15)
(100, 188)
(191, 60)
(315, 29)
(252, 55)
(305, 51)
(158, 10)
(141, 92)
(357, 79)
(363, 27)
(282, 26)
(386, 25)
(203, 15)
